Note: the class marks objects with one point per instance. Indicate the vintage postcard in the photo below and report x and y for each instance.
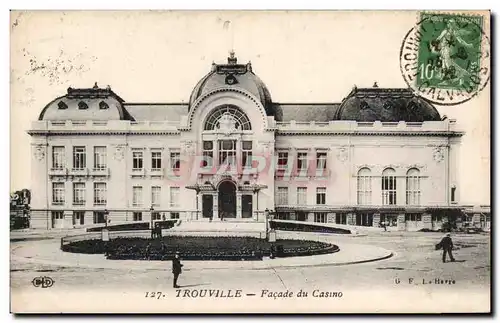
(250, 162)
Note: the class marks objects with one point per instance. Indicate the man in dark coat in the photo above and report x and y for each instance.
(447, 244)
(176, 268)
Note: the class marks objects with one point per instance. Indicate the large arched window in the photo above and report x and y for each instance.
(389, 186)
(364, 186)
(227, 117)
(413, 187)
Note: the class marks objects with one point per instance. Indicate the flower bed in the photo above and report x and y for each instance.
(199, 248)
(304, 227)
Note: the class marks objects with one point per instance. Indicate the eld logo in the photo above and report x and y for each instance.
(44, 282)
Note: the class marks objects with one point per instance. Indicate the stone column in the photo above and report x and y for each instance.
(310, 217)
(376, 219)
(401, 222)
(238, 205)
(427, 221)
(215, 206)
(255, 214)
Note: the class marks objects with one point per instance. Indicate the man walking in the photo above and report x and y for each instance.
(447, 244)
(176, 268)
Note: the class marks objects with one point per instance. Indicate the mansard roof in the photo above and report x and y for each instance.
(86, 104)
(386, 105)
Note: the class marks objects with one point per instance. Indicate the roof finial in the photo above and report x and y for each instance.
(375, 84)
(232, 59)
(95, 85)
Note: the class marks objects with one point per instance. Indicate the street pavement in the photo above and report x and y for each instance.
(415, 267)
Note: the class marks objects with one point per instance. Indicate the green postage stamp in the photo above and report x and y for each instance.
(445, 58)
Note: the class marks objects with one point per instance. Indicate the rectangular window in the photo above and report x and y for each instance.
(137, 160)
(156, 216)
(78, 193)
(174, 196)
(79, 157)
(282, 196)
(208, 154)
(301, 195)
(227, 152)
(282, 160)
(100, 157)
(155, 195)
(100, 194)
(246, 154)
(156, 160)
(58, 158)
(137, 216)
(174, 215)
(321, 195)
(321, 161)
(320, 217)
(413, 217)
(388, 190)
(175, 161)
(58, 193)
(301, 161)
(137, 196)
(453, 190)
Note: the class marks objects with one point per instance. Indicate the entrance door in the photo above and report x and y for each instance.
(301, 216)
(57, 219)
(99, 217)
(246, 207)
(78, 218)
(208, 206)
(227, 200)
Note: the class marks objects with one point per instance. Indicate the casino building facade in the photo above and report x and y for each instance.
(379, 155)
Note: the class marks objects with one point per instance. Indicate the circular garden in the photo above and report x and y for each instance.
(199, 248)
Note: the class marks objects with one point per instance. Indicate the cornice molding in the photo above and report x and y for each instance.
(371, 133)
(100, 132)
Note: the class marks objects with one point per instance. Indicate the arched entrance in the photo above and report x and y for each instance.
(227, 199)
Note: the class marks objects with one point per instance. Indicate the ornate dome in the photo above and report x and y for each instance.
(238, 76)
(386, 105)
(86, 104)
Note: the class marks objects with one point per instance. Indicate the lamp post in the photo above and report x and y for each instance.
(266, 215)
(106, 213)
(151, 209)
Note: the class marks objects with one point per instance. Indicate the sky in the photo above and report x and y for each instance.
(153, 56)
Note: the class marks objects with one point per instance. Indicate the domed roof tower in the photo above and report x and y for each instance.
(386, 105)
(236, 75)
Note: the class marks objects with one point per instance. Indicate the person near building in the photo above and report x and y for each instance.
(176, 268)
(446, 244)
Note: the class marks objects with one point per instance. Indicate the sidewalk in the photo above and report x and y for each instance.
(47, 252)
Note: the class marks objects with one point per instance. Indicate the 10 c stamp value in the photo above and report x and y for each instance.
(445, 58)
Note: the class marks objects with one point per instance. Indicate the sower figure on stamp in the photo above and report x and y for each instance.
(447, 244)
(176, 268)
